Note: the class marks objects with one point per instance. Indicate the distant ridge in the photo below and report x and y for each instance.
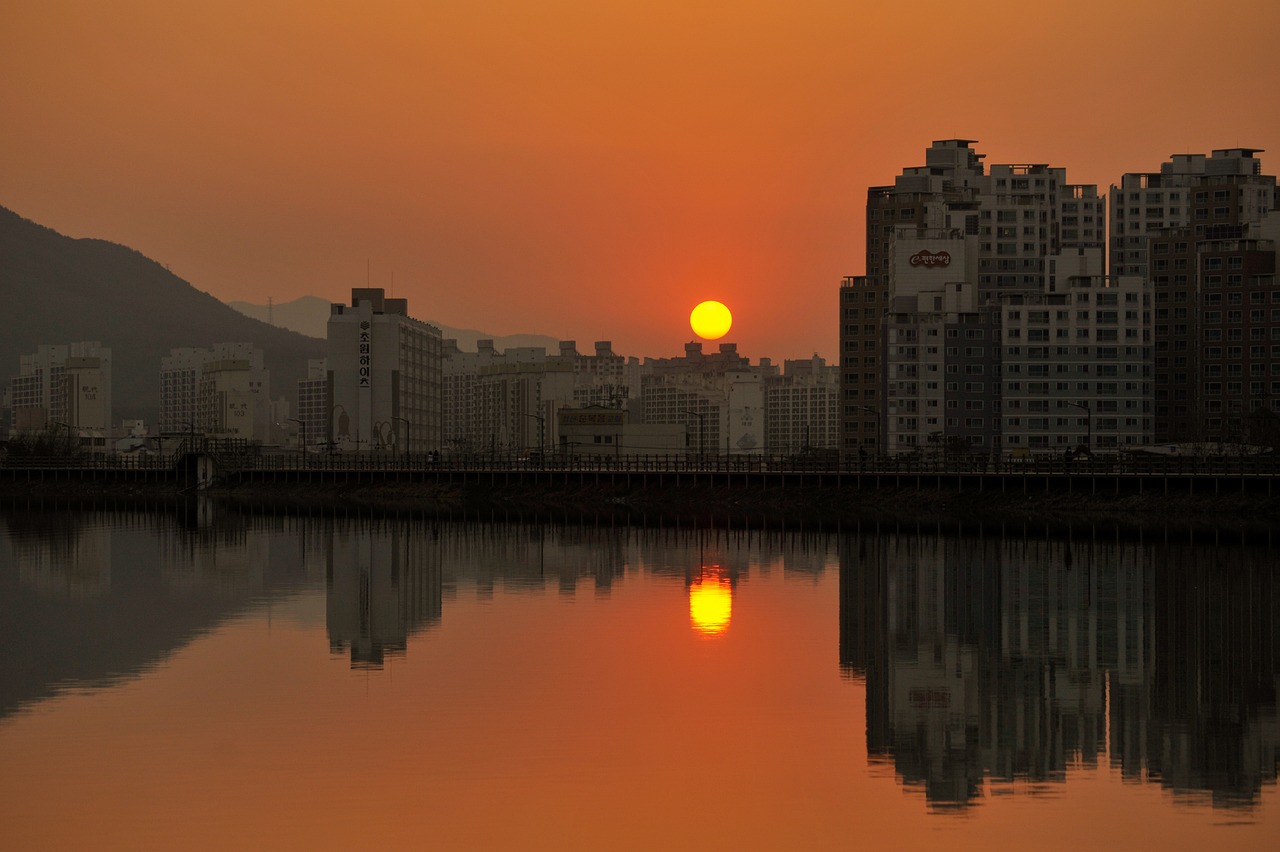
(58, 289)
(309, 315)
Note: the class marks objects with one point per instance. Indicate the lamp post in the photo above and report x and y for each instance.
(1088, 419)
(191, 436)
(302, 445)
(408, 436)
(701, 428)
(542, 431)
(876, 412)
(73, 435)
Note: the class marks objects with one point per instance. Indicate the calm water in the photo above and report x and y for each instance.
(225, 681)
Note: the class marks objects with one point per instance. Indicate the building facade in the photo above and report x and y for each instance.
(313, 404)
(1202, 231)
(948, 245)
(64, 387)
(384, 375)
(801, 407)
(222, 392)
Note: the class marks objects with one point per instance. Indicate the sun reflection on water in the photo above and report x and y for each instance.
(710, 602)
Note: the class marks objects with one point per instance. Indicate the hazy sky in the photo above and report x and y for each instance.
(584, 168)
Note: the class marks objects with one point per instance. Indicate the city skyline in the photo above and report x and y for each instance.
(579, 172)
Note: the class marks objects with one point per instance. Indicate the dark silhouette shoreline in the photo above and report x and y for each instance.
(792, 506)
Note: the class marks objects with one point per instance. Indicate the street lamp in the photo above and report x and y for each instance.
(701, 430)
(1088, 419)
(876, 412)
(542, 431)
(302, 445)
(73, 434)
(408, 436)
(191, 439)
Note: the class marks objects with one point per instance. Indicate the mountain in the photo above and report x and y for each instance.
(58, 289)
(310, 314)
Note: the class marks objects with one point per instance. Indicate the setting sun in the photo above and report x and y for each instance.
(710, 320)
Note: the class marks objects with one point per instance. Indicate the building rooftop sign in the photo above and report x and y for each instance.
(930, 259)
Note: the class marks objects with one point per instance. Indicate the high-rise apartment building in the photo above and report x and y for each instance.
(64, 387)
(509, 401)
(920, 339)
(222, 391)
(1197, 231)
(1217, 332)
(801, 407)
(1076, 365)
(717, 397)
(1210, 194)
(384, 376)
(313, 403)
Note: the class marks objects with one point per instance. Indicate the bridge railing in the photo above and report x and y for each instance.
(247, 459)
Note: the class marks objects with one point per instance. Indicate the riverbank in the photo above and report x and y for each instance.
(791, 506)
(804, 506)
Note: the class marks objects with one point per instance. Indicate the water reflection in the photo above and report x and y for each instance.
(710, 601)
(88, 598)
(382, 586)
(989, 658)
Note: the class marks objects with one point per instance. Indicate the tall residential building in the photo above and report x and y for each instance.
(384, 376)
(460, 372)
(222, 391)
(717, 397)
(313, 403)
(180, 372)
(802, 407)
(517, 399)
(1076, 364)
(234, 399)
(1218, 343)
(64, 387)
(1206, 193)
(508, 401)
(945, 244)
(1196, 229)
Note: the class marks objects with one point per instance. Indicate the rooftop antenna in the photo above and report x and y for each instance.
(270, 308)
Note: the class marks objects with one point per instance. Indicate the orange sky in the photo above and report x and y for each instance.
(582, 169)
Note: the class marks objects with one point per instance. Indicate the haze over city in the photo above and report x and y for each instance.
(583, 170)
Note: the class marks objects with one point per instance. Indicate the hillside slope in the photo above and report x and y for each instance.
(57, 289)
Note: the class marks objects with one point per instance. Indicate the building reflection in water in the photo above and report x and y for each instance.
(993, 659)
(91, 597)
(383, 585)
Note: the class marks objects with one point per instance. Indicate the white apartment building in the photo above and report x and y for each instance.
(972, 238)
(384, 371)
(222, 391)
(802, 407)
(64, 386)
(1179, 195)
(718, 397)
(459, 415)
(233, 400)
(517, 399)
(496, 401)
(1077, 366)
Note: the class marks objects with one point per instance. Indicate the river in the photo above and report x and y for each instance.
(215, 678)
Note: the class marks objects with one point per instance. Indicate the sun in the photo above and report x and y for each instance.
(710, 320)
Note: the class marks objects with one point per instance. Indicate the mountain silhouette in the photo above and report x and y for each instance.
(59, 289)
